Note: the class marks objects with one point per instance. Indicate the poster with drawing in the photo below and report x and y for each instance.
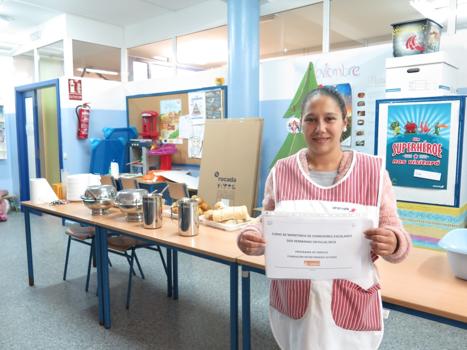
(214, 104)
(197, 104)
(3, 149)
(169, 121)
(417, 150)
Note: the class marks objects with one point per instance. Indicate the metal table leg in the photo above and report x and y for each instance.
(27, 226)
(233, 306)
(246, 331)
(103, 277)
(175, 274)
(169, 273)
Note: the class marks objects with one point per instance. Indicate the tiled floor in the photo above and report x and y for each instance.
(56, 315)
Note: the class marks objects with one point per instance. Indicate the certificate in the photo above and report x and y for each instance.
(306, 246)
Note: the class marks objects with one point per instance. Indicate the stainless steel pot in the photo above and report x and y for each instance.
(130, 202)
(188, 217)
(99, 198)
(152, 210)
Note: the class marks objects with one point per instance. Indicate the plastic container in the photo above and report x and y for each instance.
(415, 37)
(455, 243)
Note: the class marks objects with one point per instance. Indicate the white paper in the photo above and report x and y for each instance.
(197, 104)
(184, 127)
(303, 246)
(195, 142)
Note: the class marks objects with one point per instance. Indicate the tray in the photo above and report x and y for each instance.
(225, 227)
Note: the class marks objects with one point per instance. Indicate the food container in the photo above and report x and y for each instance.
(415, 37)
(152, 210)
(188, 217)
(99, 198)
(455, 243)
(130, 202)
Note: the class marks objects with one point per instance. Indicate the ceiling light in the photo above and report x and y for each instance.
(97, 71)
(161, 58)
(5, 20)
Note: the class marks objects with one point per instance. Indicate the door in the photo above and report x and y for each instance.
(39, 134)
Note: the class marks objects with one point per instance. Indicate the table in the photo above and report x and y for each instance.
(422, 284)
(211, 244)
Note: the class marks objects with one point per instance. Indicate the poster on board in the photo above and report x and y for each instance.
(169, 121)
(417, 149)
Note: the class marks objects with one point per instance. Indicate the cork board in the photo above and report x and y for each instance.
(140, 103)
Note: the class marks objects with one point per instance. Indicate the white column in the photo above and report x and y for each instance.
(326, 24)
(68, 57)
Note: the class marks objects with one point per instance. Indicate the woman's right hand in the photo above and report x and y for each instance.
(251, 243)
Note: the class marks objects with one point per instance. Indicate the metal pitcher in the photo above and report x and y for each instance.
(152, 210)
(188, 217)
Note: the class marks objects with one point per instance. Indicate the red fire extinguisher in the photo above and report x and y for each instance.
(83, 113)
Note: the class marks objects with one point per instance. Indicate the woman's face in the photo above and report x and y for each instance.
(322, 125)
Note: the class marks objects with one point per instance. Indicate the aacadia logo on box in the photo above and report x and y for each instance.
(225, 182)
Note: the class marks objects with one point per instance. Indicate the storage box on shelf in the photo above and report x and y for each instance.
(420, 76)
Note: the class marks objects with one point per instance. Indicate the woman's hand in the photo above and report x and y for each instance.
(383, 241)
(251, 243)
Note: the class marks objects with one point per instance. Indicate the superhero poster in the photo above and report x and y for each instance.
(417, 151)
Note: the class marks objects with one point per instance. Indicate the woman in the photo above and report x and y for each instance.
(330, 314)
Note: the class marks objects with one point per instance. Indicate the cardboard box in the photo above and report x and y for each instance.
(230, 162)
(415, 37)
(420, 76)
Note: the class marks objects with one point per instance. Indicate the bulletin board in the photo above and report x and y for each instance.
(182, 115)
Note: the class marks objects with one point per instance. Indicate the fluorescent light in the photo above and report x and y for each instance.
(97, 71)
(161, 58)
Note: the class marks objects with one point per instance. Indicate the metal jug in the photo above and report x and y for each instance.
(188, 218)
(152, 210)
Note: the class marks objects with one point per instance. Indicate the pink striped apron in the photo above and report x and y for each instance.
(328, 314)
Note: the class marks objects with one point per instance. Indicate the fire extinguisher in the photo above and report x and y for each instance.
(83, 113)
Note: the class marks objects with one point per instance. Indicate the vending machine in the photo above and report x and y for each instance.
(424, 144)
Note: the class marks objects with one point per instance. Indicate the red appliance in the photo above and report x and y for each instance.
(83, 113)
(149, 125)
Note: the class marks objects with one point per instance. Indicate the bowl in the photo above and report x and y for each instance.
(99, 198)
(130, 202)
(455, 243)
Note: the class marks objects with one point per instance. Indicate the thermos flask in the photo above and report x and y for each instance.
(188, 218)
(152, 210)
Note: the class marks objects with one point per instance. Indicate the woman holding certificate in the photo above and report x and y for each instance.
(325, 180)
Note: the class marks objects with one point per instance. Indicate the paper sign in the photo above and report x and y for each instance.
(303, 246)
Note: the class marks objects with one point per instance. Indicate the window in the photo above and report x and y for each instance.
(51, 61)
(96, 61)
(297, 31)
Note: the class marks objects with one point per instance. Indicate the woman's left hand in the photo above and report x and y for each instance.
(383, 241)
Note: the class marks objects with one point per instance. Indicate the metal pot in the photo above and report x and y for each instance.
(188, 217)
(130, 202)
(99, 198)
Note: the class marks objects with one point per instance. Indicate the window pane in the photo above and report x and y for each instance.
(203, 50)
(159, 54)
(96, 61)
(140, 70)
(351, 26)
(51, 61)
(298, 31)
(24, 68)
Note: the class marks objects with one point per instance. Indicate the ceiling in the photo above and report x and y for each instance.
(353, 23)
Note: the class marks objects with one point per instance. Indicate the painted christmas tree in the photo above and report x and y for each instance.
(295, 141)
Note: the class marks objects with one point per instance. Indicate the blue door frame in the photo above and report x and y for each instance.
(21, 93)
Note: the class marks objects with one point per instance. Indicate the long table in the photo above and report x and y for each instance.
(210, 244)
(422, 284)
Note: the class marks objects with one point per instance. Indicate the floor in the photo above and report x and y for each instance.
(57, 314)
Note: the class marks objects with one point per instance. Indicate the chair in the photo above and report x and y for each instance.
(108, 180)
(177, 190)
(119, 245)
(126, 183)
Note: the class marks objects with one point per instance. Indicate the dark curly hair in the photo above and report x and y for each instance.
(326, 91)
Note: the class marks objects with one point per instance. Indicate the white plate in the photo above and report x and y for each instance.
(225, 227)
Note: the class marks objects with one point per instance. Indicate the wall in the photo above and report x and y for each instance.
(107, 100)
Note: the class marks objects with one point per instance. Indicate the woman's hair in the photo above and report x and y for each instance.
(326, 91)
